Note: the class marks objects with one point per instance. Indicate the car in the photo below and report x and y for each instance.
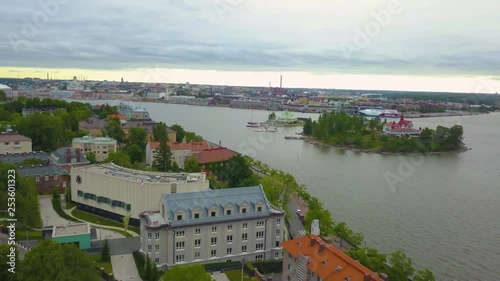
(298, 211)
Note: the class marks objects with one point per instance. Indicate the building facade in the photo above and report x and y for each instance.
(67, 157)
(76, 233)
(133, 112)
(112, 191)
(213, 226)
(180, 151)
(100, 146)
(14, 143)
(309, 258)
(148, 126)
(212, 161)
(401, 128)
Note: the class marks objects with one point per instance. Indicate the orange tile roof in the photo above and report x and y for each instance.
(214, 155)
(195, 146)
(326, 261)
(153, 145)
(117, 115)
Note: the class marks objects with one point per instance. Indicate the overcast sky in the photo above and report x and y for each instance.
(437, 39)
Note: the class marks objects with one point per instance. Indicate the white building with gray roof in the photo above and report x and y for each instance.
(113, 192)
(213, 226)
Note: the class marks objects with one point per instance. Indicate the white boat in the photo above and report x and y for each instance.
(253, 125)
(382, 113)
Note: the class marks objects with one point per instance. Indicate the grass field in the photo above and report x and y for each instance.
(235, 275)
(100, 220)
(108, 268)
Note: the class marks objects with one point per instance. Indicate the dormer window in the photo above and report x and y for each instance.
(179, 217)
(212, 214)
(259, 209)
(196, 216)
(228, 212)
(243, 210)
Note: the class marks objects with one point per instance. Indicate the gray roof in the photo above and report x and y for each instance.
(59, 157)
(50, 169)
(204, 200)
(93, 122)
(18, 158)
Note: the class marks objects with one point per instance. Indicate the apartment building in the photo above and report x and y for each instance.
(213, 226)
(14, 143)
(100, 146)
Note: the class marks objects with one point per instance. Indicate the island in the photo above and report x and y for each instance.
(340, 129)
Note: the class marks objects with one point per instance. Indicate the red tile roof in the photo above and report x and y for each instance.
(192, 146)
(117, 115)
(328, 262)
(214, 155)
(153, 145)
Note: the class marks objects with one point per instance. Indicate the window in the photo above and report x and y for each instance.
(212, 214)
(278, 232)
(157, 260)
(197, 231)
(229, 251)
(157, 235)
(213, 253)
(214, 229)
(258, 257)
(289, 255)
(64, 184)
(179, 217)
(276, 255)
(149, 235)
(229, 227)
(214, 241)
(55, 177)
(37, 178)
(149, 248)
(244, 210)
(80, 193)
(260, 223)
(260, 234)
(196, 216)
(179, 245)
(230, 239)
(46, 178)
(196, 255)
(244, 248)
(157, 248)
(278, 221)
(259, 209)
(179, 258)
(228, 212)
(197, 243)
(179, 233)
(244, 237)
(277, 244)
(259, 246)
(245, 225)
(289, 267)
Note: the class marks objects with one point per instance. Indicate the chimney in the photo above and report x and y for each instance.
(383, 276)
(78, 155)
(68, 155)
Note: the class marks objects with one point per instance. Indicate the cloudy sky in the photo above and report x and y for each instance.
(445, 45)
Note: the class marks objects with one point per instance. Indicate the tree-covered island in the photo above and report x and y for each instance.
(375, 135)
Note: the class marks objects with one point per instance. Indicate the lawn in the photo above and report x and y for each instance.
(235, 275)
(108, 268)
(100, 220)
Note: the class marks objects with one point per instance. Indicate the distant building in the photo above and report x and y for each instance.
(113, 192)
(67, 158)
(214, 159)
(242, 103)
(61, 94)
(7, 90)
(100, 146)
(121, 117)
(151, 149)
(74, 85)
(311, 258)
(75, 233)
(401, 128)
(14, 143)
(93, 125)
(213, 226)
(40, 109)
(182, 151)
(133, 112)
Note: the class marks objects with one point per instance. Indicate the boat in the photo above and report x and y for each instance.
(253, 125)
(294, 137)
(382, 113)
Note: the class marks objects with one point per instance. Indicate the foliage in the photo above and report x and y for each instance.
(271, 117)
(5, 275)
(52, 261)
(135, 153)
(424, 275)
(308, 127)
(151, 272)
(55, 194)
(160, 133)
(180, 133)
(56, 205)
(119, 158)
(163, 158)
(105, 110)
(194, 272)
(401, 267)
(32, 161)
(137, 136)
(190, 136)
(113, 129)
(105, 255)
(3, 97)
(342, 231)
(27, 208)
(175, 168)
(236, 171)
(192, 166)
(90, 155)
(317, 211)
(371, 258)
(139, 263)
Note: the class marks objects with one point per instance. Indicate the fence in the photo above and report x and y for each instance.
(104, 275)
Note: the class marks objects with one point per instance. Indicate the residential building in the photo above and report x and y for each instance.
(133, 112)
(14, 143)
(151, 149)
(113, 192)
(148, 126)
(67, 157)
(46, 174)
(401, 128)
(100, 146)
(93, 125)
(76, 233)
(61, 94)
(213, 226)
(309, 258)
(121, 117)
(180, 151)
(212, 160)
(40, 109)
(7, 90)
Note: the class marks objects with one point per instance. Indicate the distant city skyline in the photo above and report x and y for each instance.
(369, 44)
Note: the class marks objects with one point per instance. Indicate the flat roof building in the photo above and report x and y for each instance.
(14, 143)
(78, 233)
(100, 146)
(112, 191)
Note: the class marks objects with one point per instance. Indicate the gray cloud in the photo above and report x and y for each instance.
(254, 35)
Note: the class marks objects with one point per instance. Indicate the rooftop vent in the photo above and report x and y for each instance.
(338, 268)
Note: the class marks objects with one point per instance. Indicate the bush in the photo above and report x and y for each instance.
(221, 265)
(56, 204)
(139, 263)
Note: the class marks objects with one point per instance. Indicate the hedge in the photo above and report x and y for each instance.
(56, 204)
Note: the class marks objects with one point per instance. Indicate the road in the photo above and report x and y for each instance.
(296, 227)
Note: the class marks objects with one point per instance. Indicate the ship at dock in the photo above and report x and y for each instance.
(382, 113)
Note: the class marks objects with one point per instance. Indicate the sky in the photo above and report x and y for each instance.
(426, 45)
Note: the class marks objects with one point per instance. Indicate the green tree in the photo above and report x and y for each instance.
(190, 136)
(119, 158)
(5, 274)
(105, 254)
(135, 153)
(160, 133)
(91, 157)
(137, 136)
(371, 258)
(424, 275)
(50, 260)
(175, 168)
(151, 272)
(3, 97)
(308, 127)
(105, 110)
(113, 129)
(194, 272)
(316, 211)
(401, 267)
(192, 166)
(163, 158)
(236, 171)
(180, 133)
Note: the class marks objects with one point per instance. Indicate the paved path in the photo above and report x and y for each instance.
(219, 276)
(49, 216)
(124, 268)
(296, 227)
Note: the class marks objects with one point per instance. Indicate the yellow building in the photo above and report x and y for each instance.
(100, 146)
(14, 143)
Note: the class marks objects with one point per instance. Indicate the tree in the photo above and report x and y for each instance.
(105, 255)
(119, 158)
(113, 129)
(160, 133)
(424, 275)
(3, 97)
(192, 166)
(325, 220)
(6, 263)
(370, 258)
(50, 260)
(401, 267)
(190, 136)
(135, 153)
(236, 170)
(194, 272)
(90, 155)
(163, 158)
(137, 136)
(175, 168)
(180, 133)
(308, 127)
(151, 272)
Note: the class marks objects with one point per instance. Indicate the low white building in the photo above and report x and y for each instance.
(113, 192)
(100, 146)
(213, 226)
(7, 90)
